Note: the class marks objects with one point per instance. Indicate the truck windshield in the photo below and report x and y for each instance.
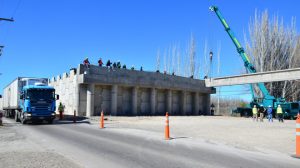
(40, 94)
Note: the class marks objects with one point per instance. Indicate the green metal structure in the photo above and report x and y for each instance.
(291, 108)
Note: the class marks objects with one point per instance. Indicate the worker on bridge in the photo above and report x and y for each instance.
(270, 113)
(100, 63)
(86, 62)
(254, 112)
(279, 113)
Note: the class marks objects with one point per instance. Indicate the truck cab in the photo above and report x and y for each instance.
(37, 102)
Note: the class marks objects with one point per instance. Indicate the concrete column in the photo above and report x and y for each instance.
(169, 101)
(90, 100)
(77, 99)
(153, 100)
(114, 99)
(183, 103)
(196, 103)
(207, 103)
(134, 100)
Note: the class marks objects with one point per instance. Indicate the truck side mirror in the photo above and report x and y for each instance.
(21, 96)
(57, 97)
(0, 96)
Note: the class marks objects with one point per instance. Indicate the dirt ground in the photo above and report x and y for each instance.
(242, 133)
(16, 151)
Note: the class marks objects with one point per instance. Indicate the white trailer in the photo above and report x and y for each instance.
(12, 92)
(1, 104)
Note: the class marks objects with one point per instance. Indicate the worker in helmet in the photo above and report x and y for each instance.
(100, 62)
(261, 113)
(270, 113)
(279, 113)
(86, 62)
(254, 112)
(119, 64)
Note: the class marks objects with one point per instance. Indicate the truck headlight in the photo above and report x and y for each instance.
(53, 114)
(27, 114)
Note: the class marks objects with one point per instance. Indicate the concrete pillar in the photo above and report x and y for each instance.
(207, 103)
(90, 100)
(196, 103)
(153, 100)
(77, 98)
(169, 101)
(114, 99)
(183, 103)
(134, 100)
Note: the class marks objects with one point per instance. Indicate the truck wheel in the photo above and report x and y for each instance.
(50, 121)
(17, 119)
(23, 121)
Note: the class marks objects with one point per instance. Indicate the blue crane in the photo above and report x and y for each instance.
(267, 100)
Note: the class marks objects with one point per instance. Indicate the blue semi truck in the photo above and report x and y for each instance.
(30, 100)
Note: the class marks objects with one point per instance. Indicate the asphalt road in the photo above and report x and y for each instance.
(89, 146)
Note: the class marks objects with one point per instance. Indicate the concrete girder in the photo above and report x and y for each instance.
(261, 77)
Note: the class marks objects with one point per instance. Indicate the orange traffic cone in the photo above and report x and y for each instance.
(298, 136)
(102, 120)
(167, 128)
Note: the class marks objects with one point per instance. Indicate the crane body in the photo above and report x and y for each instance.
(291, 108)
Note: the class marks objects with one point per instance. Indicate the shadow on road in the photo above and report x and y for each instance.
(171, 138)
(60, 122)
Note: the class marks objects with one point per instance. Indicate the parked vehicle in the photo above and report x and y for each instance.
(30, 100)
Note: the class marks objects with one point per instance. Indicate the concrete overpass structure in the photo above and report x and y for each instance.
(130, 92)
(261, 77)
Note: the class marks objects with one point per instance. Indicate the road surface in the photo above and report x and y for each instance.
(88, 146)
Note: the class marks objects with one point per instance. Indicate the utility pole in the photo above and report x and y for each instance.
(8, 20)
(1, 46)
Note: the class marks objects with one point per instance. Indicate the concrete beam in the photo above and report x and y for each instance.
(261, 77)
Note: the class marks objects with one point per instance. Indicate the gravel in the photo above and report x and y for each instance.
(242, 133)
(16, 151)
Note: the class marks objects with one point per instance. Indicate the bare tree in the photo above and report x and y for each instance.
(218, 73)
(181, 63)
(165, 61)
(206, 64)
(158, 60)
(192, 54)
(178, 61)
(227, 104)
(274, 46)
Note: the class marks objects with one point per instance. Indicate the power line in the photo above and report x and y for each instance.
(17, 7)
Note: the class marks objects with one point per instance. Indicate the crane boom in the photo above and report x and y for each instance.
(250, 68)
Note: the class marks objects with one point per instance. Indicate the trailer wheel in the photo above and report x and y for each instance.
(17, 119)
(6, 114)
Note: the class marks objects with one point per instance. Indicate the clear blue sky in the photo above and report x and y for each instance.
(49, 37)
